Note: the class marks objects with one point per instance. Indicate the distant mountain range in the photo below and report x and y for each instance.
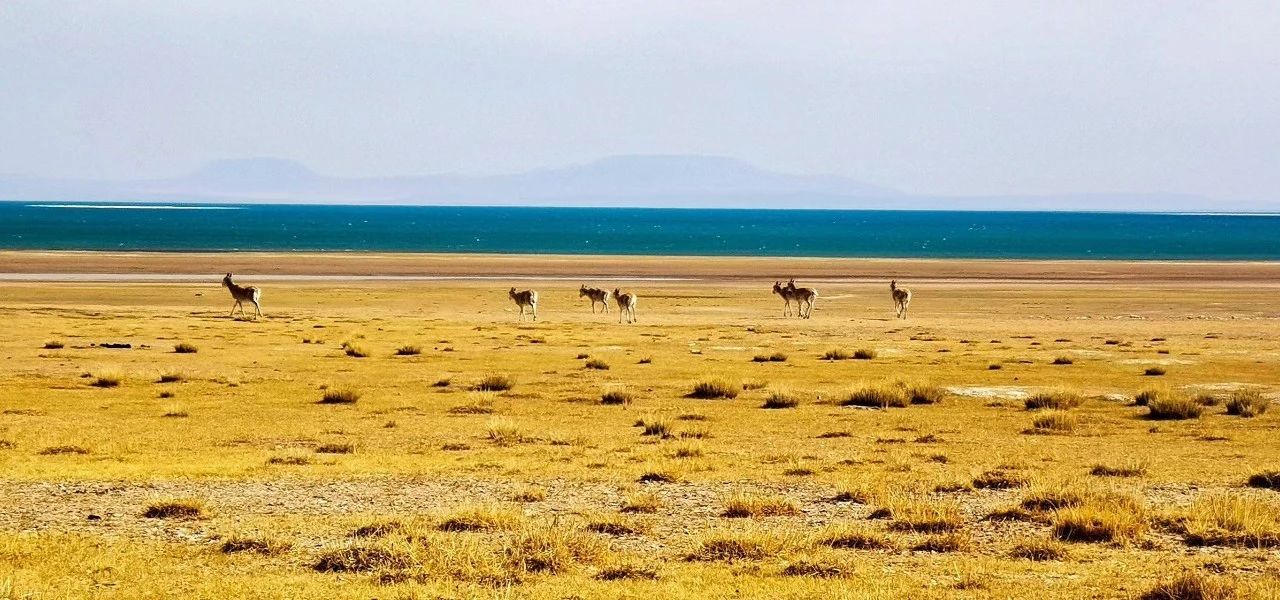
(651, 181)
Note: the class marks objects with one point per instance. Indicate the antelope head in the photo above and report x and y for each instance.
(226, 281)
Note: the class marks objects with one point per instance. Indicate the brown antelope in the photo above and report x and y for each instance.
(241, 294)
(785, 293)
(802, 296)
(901, 299)
(527, 298)
(596, 295)
(626, 305)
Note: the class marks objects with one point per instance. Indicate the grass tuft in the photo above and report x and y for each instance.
(1192, 586)
(1174, 407)
(335, 448)
(185, 348)
(711, 389)
(53, 345)
(1039, 550)
(837, 354)
(408, 350)
(614, 397)
(181, 508)
(864, 354)
(853, 537)
(1054, 422)
(1154, 371)
(1247, 403)
(926, 394)
(597, 364)
(495, 383)
(781, 399)
(1057, 400)
(743, 506)
(340, 396)
(878, 396)
(641, 502)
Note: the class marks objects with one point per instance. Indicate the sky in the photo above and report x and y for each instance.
(942, 98)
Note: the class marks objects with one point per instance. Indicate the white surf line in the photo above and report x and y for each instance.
(200, 277)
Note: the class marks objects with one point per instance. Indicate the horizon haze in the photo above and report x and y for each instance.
(1162, 106)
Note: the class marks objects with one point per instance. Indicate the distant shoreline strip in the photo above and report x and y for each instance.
(135, 206)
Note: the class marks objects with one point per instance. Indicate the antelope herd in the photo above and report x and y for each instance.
(803, 298)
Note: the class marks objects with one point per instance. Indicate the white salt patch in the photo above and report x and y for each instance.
(1003, 392)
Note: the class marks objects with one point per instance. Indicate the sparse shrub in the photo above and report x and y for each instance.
(237, 544)
(1173, 407)
(925, 515)
(659, 476)
(408, 350)
(354, 350)
(617, 397)
(1146, 397)
(864, 354)
(1154, 371)
(344, 395)
(645, 361)
(335, 448)
(742, 506)
(781, 399)
(53, 345)
(185, 348)
(947, 542)
(658, 427)
(878, 396)
(181, 508)
(1230, 520)
(171, 377)
(1039, 550)
(380, 528)
(1127, 470)
(68, 449)
(1269, 480)
(106, 379)
(1192, 586)
(504, 432)
(1097, 522)
(291, 460)
(926, 394)
(597, 364)
(530, 494)
(641, 502)
(737, 545)
(995, 367)
(999, 479)
(775, 357)
(481, 518)
(1063, 360)
(495, 383)
(617, 572)
(852, 537)
(837, 354)
(687, 450)
(614, 525)
(1054, 422)
(711, 389)
(1058, 400)
(1247, 403)
(825, 566)
(363, 558)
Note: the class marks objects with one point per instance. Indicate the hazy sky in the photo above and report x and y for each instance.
(942, 97)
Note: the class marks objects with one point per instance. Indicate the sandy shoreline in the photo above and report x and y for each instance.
(166, 266)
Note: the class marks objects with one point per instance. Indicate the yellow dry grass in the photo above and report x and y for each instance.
(544, 489)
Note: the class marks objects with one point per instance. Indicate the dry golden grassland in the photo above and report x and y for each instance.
(412, 439)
